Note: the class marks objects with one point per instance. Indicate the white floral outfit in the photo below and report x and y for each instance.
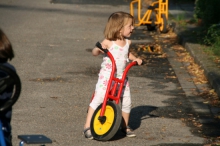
(120, 55)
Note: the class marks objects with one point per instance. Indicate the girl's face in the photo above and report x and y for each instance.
(127, 29)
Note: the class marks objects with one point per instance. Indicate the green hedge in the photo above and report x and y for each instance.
(208, 11)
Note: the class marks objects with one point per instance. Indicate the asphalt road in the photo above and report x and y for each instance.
(52, 41)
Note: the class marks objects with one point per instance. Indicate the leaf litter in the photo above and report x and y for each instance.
(196, 71)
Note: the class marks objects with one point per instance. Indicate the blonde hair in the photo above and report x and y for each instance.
(115, 23)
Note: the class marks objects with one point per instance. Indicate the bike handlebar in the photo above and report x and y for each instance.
(98, 44)
(100, 47)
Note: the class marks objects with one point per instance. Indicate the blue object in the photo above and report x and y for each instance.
(2, 140)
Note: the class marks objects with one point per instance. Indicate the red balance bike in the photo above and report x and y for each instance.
(107, 118)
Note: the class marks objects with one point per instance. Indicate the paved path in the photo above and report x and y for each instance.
(53, 45)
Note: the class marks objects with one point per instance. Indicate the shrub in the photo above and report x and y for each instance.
(213, 34)
(200, 8)
(213, 39)
(207, 10)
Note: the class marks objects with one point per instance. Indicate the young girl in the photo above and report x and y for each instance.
(118, 28)
(6, 54)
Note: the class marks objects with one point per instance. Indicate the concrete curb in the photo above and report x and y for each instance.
(212, 72)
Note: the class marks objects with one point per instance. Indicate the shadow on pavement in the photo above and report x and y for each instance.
(179, 144)
(53, 10)
(95, 2)
(140, 113)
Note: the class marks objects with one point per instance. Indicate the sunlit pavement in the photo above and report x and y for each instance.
(53, 41)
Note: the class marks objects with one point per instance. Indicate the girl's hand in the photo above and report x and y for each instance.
(133, 58)
(139, 61)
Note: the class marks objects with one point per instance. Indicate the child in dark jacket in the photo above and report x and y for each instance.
(6, 54)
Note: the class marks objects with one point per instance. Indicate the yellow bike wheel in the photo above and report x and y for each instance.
(163, 25)
(105, 131)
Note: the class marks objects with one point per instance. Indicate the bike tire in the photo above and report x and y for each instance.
(12, 79)
(105, 131)
(163, 26)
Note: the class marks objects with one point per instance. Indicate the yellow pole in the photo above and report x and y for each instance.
(139, 8)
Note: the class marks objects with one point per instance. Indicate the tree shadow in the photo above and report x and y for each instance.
(178, 144)
(93, 2)
(54, 10)
(137, 114)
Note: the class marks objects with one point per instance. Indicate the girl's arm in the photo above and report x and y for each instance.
(133, 58)
(105, 44)
(96, 51)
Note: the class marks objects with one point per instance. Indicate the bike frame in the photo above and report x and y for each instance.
(162, 8)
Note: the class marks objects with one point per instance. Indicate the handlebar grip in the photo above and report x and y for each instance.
(100, 47)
